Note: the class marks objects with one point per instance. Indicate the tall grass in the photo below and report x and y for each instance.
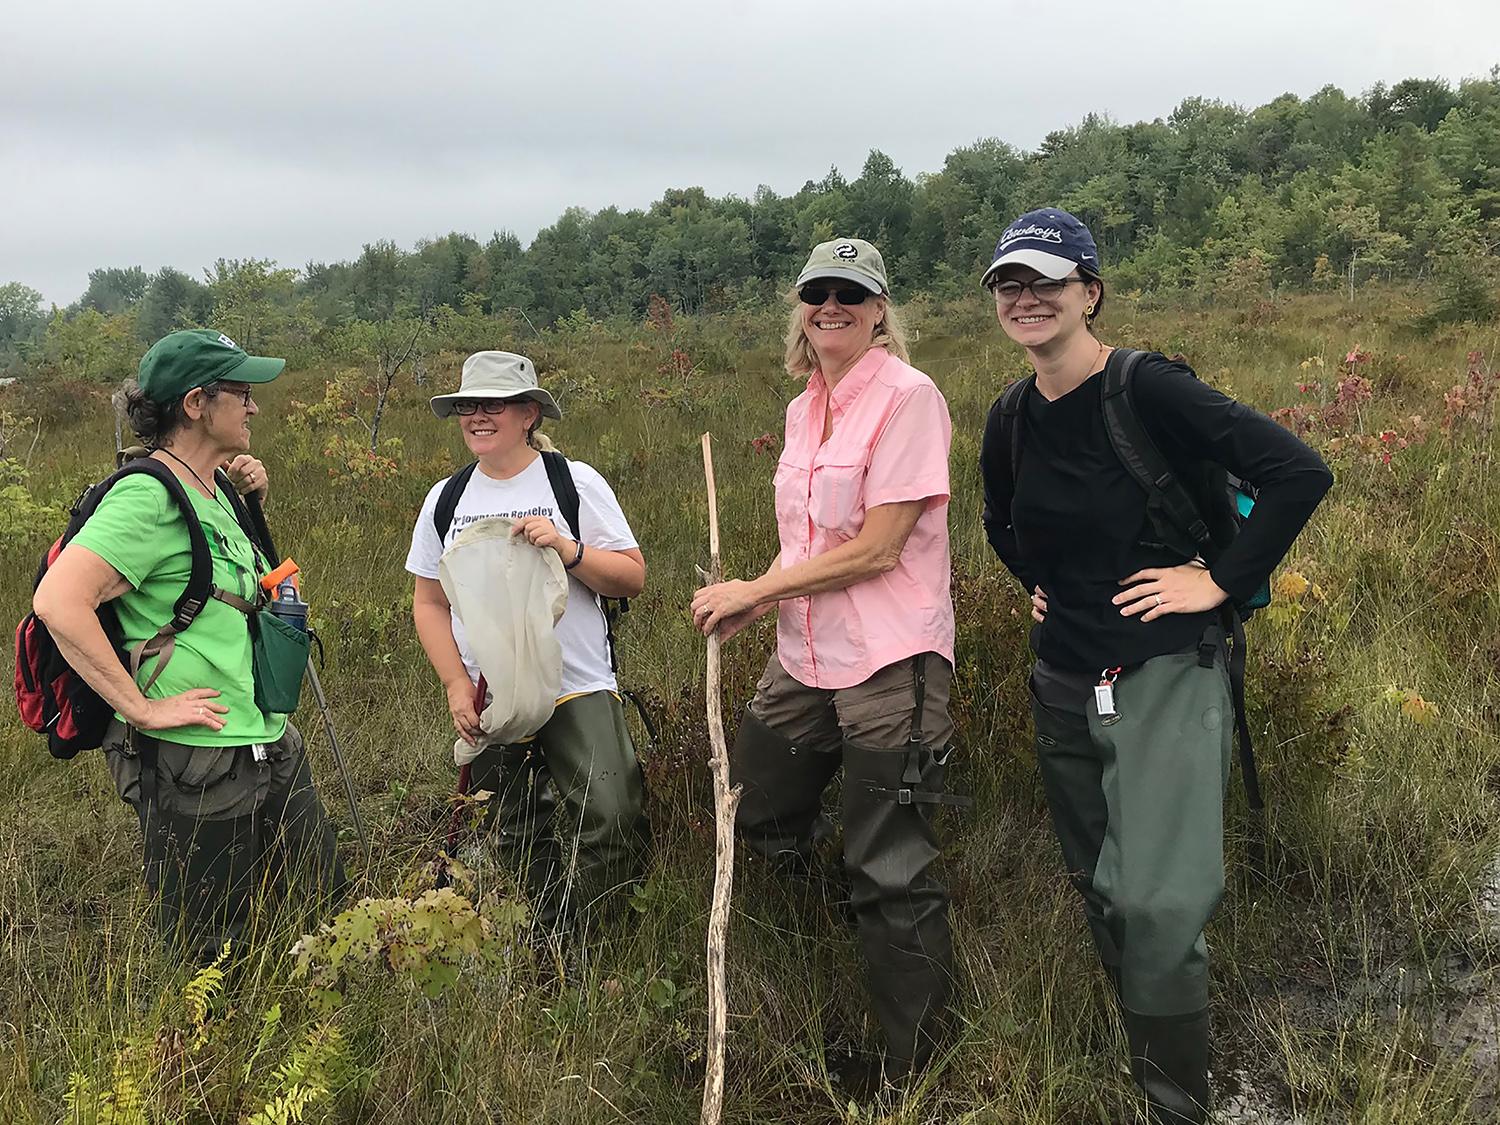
(1373, 694)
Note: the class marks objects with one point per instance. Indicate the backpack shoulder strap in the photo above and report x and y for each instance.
(447, 501)
(560, 477)
(201, 573)
(1139, 453)
(1012, 407)
(242, 516)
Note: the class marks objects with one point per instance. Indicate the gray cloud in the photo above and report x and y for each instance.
(174, 133)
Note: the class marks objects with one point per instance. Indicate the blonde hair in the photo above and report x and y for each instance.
(534, 436)
(800, 359)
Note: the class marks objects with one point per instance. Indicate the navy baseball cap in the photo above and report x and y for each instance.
(1050, 241)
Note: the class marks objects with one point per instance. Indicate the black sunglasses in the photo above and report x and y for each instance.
(818, 294)
(467, 406)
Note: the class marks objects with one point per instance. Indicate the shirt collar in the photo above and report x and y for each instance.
(853, 381)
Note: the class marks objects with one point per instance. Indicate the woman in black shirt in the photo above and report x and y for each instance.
(1130, 691)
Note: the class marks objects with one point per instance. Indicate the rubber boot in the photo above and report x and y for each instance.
(520, 817)
(900, 908)
(780, 808)
(1169, 1062)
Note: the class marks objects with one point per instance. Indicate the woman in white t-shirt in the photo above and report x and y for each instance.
(584, 751)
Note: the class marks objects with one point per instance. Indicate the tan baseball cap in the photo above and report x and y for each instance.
(497, 375)
(847, 259)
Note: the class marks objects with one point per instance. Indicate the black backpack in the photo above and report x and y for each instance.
(1196, 509)
(54, 700)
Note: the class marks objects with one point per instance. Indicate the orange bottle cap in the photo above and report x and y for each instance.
(279, 575)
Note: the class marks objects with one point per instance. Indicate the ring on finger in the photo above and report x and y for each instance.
(1158, 601)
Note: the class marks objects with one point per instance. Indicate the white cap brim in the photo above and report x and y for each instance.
(1048, 265)
(840, 275)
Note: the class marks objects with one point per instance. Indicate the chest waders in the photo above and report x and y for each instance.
(1137, 802)
(900, 909)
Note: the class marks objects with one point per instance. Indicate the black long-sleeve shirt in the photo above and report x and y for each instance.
(1075, 522)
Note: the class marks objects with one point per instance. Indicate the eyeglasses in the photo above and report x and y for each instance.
(818, 294)
(213, 390)
(467, 406)
(1042, 288)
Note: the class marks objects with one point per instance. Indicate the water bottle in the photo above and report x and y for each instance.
(289, 606)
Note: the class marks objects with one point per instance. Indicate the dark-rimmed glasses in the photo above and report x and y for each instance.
(467, 406)
(213, 390)
(1042, 288)
(818, 294)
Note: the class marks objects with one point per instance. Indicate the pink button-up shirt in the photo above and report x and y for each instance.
(890, 442)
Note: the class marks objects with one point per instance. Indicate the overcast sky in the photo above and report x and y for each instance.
(160, 132)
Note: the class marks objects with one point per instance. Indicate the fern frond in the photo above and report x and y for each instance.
(199, 993)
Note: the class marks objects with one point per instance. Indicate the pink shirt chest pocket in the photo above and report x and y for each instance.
(836, 498)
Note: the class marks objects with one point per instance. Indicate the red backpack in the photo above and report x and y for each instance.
(54, 700)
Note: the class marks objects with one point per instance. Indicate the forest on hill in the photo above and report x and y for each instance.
(1326, 191)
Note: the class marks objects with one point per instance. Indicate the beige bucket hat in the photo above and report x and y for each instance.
(497, 375)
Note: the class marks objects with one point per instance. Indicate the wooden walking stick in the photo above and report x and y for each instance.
(726, 799)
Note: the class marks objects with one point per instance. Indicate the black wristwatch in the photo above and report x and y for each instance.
(578, 558)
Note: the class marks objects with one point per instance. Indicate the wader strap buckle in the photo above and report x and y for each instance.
(910, 792)
(1208, 647)
(905, 796)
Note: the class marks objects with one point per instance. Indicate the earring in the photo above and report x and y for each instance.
(1089, 311)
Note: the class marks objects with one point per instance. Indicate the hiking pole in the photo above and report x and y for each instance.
(338, 757)
(726, 800)
(263, 533)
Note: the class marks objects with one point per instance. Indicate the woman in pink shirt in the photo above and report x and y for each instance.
(864, 653)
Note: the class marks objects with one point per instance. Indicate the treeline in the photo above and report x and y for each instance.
(1325, 190)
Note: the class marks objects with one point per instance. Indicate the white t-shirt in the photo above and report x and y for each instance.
(601, 524)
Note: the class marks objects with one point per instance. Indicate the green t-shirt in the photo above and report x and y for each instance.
(138, 530)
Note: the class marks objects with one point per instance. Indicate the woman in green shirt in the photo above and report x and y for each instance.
(222, 789)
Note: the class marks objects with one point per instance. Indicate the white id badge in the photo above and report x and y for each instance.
(1104, 699)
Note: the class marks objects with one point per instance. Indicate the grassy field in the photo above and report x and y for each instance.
(1374, 691)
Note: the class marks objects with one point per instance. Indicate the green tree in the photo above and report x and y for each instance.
(172, 300)
(21, 317)
(252, 300)
(113, 290)
(90, 346)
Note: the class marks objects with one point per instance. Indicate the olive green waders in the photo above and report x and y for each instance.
(220, 825)
(892, 736)
(567, 807)
(1137, 800)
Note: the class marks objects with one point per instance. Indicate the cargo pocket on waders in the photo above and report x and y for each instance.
(278, 654)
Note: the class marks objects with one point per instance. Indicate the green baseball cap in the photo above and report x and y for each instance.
(196, 357)
(847, 259)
